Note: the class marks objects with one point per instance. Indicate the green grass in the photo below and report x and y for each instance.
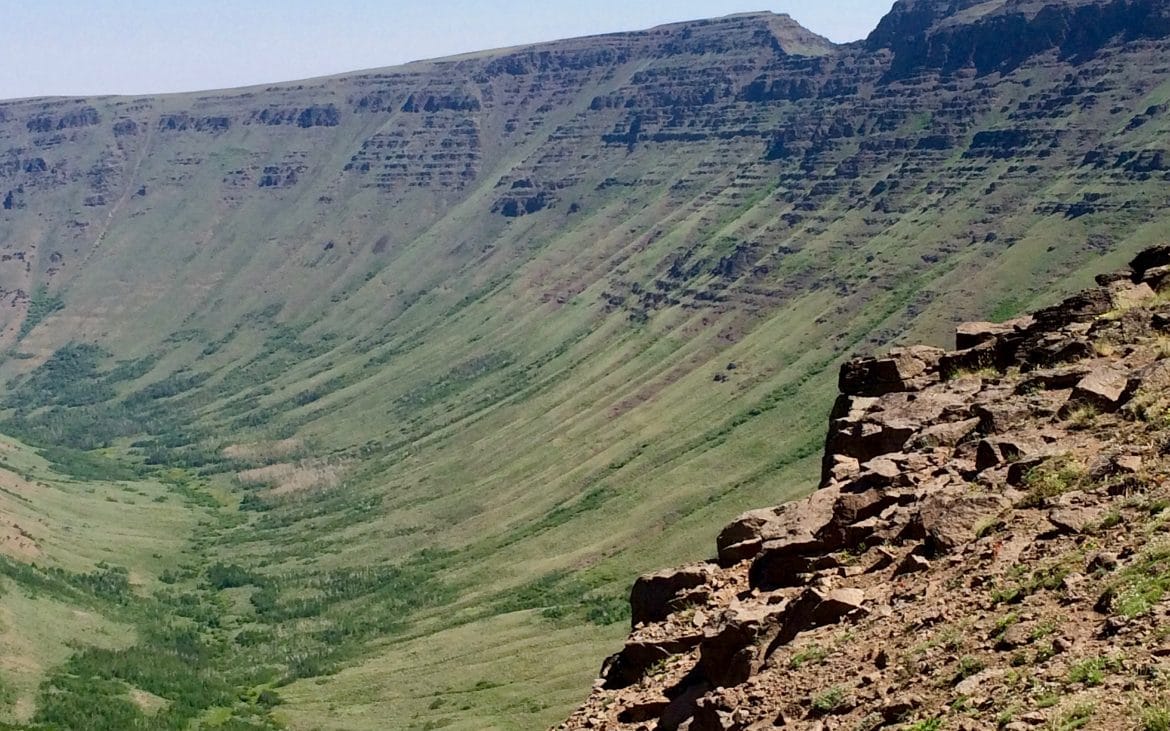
(1053, 478)
(1141, 585)
(526, 410)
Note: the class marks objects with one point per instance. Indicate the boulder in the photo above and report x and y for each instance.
(971, 334)
(944, 435)
(1000, 417)
(742, 538)
(789, 529)
(1104, 388)
(1050, 379)
(734, 650)
(951, 517)
(968, 360)
(816, 608)
(655, 596)
(1127, 464)
(844, 468)
(1125, 295)
(1074, 519)
(1019, 470)
(783, 562)
(630, 665)
(904, 369)
(993, 452)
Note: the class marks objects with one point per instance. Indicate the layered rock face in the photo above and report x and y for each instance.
(987, 548)
(946, 100)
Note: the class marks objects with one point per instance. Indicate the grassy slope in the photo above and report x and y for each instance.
(482, 399)
(75, 525)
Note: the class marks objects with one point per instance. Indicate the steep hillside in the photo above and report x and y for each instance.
(987, 548)
(456, 349)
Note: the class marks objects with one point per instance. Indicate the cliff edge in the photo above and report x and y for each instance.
(988, 548)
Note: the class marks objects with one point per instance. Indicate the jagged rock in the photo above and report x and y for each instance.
(971, 334)
(1074, 520)
(630, 665)
(1104, 389)
(654, 595)
(735, 650)
(912, 564)
(945, 435)
(817, 608)
(1125, 295)
(996, 451)
(951, 518)
(784, 531)
(904, 369)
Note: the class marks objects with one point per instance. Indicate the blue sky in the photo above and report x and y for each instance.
(88, 47)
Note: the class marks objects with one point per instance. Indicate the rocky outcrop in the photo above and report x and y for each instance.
(927, 36)
(948, 497)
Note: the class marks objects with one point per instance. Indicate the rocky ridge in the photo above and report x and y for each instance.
(987, 548)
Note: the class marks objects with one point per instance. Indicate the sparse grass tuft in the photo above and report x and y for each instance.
(1053, 478)
(829, 701)
(1155, 717)
(1076, 717)
(813, 654)
(1092, 670)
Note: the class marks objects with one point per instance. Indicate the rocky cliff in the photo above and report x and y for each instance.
(988, 548)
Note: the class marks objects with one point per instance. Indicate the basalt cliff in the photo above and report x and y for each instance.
(988, 548)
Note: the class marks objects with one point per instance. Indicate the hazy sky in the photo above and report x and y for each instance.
(86, 47)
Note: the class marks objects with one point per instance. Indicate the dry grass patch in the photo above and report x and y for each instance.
(289, 478)
(17, 542)
(264, 451)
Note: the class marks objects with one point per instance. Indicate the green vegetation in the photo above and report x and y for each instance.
(1141, 585)
(518, 416)
(828, 701)
(1091, 671)
(1155, 717)
(1076, 717)
(1053, 478)
(40, 305)
(813, 654)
